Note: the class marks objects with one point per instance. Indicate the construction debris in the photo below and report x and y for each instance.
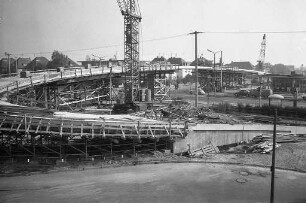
(184, 111)
(263, 143)
(280, 138)
(262, 147)
(205, 150)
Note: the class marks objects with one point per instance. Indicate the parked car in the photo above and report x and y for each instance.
(304, 97)
(242, 93)
(200, 91)
(265, 93)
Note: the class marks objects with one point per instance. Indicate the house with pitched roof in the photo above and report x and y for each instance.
(177, 61)
(38, 63)
(4, 66)
(242, 65)
(22, 63)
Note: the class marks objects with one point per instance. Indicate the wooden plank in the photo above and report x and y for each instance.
(13, 123)
(82, 129)
(137, 131)
(180, 131)
(2, 121)
(71, 128)
(92, 130)
(48, 126)
(167, 130)
(123, 134)
(38, 126)
(29, 125)
(61, 129)
(20, 123)
(151, 131)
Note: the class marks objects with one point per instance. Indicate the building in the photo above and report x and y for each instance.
(22, 63)
(159, 60)
(246, 65)
(177, 61)
(288, 83)
(202, 62)
(282, 69)
(38, 63)
(4, 66)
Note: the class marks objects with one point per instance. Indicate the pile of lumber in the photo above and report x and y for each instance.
(205, 150)
(262, 147)
(280, 138)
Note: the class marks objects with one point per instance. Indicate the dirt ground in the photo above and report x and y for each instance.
(291, 156)
(172, 182)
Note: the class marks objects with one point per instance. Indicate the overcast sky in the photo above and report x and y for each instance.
(84, 27)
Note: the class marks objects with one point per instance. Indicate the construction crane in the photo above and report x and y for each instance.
(132, 17)
(262, 55)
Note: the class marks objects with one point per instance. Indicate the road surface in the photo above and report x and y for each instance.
(177, 182)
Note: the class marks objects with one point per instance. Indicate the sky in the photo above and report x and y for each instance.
(30, 28)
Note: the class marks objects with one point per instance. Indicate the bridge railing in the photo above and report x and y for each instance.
(38, 77)
(11, 83)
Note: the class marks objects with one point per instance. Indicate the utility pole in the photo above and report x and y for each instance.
(195, 33)
(260, 86)
(9, 62)
(221, 77)
(273, 159)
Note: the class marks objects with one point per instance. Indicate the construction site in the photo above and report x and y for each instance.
(129, 114)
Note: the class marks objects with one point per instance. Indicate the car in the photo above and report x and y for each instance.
(242, 93)
(200, 91)
(304, 97)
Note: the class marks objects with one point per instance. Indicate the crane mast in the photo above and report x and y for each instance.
(132, 17)
(262, 54)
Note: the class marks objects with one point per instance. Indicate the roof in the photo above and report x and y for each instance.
(242, 65)
(23, 62)
(177, 61)
(72, 63)
(202, 62)
(38, 63)
(159, 59)
(3, 62)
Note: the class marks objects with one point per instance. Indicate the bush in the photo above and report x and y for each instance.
(248, 108)
(240, 107)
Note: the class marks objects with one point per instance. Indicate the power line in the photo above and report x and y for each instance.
(170, 37)
(255, 32)
(100, 47)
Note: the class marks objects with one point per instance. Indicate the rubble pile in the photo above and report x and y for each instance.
(200, 114)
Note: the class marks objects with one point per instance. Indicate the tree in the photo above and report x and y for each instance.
(58, 60)
(188, 78)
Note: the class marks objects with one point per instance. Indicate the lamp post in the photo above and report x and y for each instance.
(209, 82)
(214, 53)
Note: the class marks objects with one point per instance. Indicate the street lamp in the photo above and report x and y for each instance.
(214, 53)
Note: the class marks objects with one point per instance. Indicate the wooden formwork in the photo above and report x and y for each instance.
(26, 131)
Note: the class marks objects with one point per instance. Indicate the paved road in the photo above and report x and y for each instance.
(185, 182)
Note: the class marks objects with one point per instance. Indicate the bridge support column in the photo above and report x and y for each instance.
(46, 94)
